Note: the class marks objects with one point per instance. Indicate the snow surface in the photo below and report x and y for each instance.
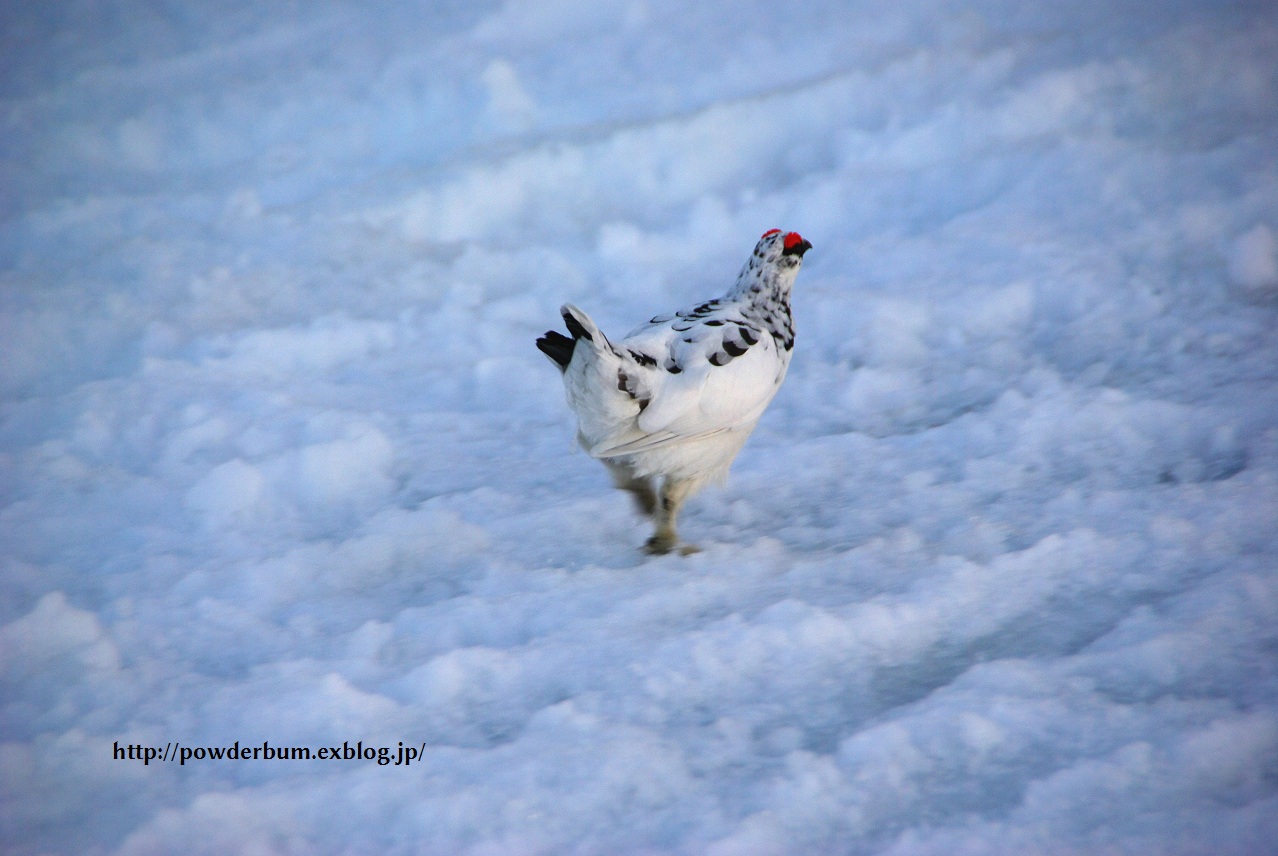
(279, 461)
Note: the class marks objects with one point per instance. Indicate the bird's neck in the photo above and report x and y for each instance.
(767, 296)
(763, 286)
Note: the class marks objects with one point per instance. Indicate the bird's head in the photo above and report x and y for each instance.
(774, 262)
(783, 248)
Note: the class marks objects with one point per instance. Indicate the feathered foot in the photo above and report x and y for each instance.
(666, 539)
(639, 487)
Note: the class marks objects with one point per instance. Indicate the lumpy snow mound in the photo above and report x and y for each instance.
(280, 465)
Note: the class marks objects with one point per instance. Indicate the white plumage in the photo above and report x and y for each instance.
(668, 407)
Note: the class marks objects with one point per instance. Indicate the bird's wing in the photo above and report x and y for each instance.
(709, 377)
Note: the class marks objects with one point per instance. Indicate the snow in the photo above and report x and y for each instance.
(1253, 261)
(997, 573)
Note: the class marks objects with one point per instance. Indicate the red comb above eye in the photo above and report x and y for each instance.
(769, 232)
(791, 239)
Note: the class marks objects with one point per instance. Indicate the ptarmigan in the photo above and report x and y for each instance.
(668, 408)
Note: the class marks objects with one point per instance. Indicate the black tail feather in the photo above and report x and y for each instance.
(574, 327)
(558, 347)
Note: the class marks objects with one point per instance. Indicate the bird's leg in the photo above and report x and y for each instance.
(665, 539)
(639, 487)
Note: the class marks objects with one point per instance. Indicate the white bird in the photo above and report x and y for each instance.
(668, 407)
